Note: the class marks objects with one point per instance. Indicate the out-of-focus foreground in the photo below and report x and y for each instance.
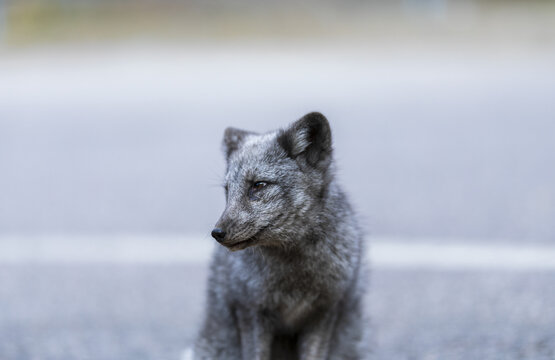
(111, 118)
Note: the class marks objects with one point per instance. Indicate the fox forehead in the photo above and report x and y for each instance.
(259, 158)
(260, 140)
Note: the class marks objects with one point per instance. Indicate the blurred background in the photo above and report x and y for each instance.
(111, 120)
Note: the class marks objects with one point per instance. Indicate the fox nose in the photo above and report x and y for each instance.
(218, 234)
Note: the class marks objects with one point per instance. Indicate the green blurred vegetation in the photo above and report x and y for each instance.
(30, 22)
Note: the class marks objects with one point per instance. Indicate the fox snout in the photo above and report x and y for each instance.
(225, 233)
(218, 234)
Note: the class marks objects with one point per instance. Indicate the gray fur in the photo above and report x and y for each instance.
(287, 282)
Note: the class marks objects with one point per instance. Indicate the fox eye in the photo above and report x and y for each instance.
(255, 188)
(259, 185)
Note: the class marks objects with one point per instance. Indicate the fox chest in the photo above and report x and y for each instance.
(289, 311)
(288, 292)
(289, 302)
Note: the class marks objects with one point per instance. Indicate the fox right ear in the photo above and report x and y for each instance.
(233, 139)
(308, 138)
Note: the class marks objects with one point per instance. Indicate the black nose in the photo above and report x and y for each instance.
(218, 234)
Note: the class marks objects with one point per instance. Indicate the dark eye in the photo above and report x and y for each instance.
(255, 188)
(259, 185)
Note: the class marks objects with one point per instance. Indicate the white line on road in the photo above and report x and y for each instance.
(383, 252)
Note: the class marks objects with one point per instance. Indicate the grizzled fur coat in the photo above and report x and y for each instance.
(287, 280)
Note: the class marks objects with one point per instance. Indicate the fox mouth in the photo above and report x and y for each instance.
(253, 239)
(241, 244)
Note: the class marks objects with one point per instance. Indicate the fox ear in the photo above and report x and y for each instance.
(309, 137)
(233, 139)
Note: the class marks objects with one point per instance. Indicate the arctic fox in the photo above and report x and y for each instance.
(287, 282)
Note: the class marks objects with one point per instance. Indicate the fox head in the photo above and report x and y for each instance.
(275, 184)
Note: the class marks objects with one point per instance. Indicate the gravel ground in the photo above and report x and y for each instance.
(136, 312)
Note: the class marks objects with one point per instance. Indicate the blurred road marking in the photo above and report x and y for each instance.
(187, 354)
(112, 249)
(445, 256)
(383, 252)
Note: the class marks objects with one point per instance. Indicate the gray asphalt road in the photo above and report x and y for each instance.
(135, 312)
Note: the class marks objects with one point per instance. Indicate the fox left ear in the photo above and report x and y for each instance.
(309, 137)
(233, 139)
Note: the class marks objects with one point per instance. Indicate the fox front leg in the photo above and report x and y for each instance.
(256, 335)
(315, 339)
(219, 336)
